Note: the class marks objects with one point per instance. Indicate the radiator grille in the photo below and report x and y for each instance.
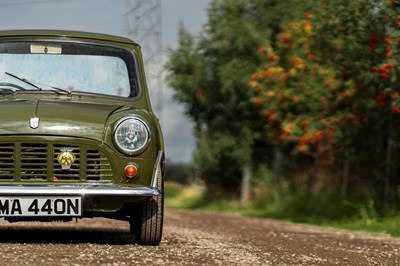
(97, 166)
(33, 161)
(38, 162)
(6, 161)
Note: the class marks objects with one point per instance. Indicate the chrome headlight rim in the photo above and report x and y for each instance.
(140, 149)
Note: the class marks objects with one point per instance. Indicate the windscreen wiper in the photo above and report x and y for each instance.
(39, 88)
(23, 80)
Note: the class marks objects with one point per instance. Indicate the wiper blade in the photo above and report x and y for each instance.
(59, 89)
(23, 80)
(30, 82)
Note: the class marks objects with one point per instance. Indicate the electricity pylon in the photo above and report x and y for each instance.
(143, 25)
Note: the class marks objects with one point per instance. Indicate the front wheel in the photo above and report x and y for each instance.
(147, 223)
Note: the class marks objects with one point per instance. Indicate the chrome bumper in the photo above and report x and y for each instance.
(79, 190)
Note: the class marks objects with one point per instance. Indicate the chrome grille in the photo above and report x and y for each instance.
(33, 161)
(38, 162)
(97, 166)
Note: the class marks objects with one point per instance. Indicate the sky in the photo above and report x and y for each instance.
(107, 16)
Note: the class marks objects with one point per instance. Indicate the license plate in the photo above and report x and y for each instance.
(41, 206)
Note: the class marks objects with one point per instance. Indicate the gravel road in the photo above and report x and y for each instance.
(193, 238)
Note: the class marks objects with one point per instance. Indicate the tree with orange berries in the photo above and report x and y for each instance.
(330, 88)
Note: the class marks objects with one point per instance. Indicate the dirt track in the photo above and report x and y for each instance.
(193, 238)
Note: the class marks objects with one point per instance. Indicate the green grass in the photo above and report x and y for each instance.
(327, 209)
(386, 225)
(179, 196)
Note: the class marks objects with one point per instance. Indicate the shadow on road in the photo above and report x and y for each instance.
(65, 235)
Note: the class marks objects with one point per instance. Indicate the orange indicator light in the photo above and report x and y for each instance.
(130, 171)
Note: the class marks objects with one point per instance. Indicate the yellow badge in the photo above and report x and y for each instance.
(66, 158)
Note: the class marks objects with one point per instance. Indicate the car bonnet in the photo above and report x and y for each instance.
(50, 117)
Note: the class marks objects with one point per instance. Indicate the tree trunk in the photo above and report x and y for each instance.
(345, 182)
(245, 187)
(388, 170)
(278, 162)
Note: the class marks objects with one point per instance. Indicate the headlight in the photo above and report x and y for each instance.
(131, 135)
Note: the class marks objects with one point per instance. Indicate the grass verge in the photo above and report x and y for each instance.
(328, 209)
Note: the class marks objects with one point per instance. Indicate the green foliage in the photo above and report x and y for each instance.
(208, 73)
(387, 225)
(187, 67)
(182, 173)
(172, 190)
(316, 80)
(312, 87)
(180, 196)
(329, 90)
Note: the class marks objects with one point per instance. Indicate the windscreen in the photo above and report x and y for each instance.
(75, 67)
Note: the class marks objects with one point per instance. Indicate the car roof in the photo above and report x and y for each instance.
(63, 34)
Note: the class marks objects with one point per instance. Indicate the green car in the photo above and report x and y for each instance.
(78, 137)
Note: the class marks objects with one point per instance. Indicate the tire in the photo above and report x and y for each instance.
(147, 222)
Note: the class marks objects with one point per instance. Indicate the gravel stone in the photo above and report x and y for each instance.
(193, 238)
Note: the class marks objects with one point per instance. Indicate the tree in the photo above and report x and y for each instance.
(331, 76)
(182, 173)
(208, 73)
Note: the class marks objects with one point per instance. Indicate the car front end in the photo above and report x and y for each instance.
(78, 137)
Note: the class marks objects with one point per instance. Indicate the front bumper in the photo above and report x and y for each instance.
(96, 200)
(84, 191)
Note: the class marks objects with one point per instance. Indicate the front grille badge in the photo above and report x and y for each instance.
(66, 158)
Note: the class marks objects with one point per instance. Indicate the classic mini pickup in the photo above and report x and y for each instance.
(78, 136)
